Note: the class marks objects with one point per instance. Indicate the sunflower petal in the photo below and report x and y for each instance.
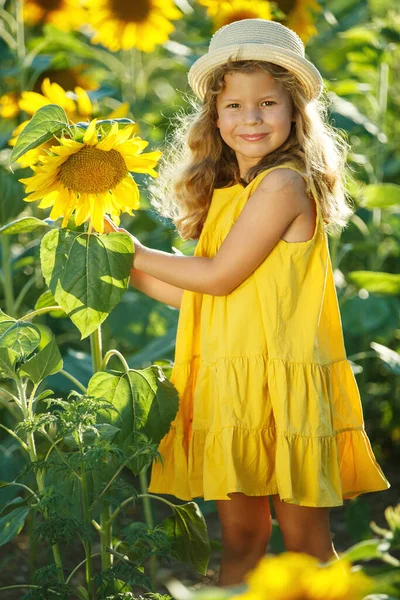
(90, 137)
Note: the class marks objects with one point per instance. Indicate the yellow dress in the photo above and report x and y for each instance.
(268, 401)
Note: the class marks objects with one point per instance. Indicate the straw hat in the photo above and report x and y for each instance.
(256, 39)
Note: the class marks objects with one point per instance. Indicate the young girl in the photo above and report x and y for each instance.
(269, 405)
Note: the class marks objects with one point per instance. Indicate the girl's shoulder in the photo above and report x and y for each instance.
(279, 177)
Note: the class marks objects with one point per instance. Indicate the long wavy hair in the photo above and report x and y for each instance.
(196, 160)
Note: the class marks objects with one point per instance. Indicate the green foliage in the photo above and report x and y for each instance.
(46, 123)
(86, 273)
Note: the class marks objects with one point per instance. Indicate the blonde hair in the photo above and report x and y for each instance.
(197, 160)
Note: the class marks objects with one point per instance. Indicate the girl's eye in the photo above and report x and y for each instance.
(233, 104)
(269, 102)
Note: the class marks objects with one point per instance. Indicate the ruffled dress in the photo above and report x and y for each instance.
(268, 400)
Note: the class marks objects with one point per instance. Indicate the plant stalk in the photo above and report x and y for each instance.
(7, 274)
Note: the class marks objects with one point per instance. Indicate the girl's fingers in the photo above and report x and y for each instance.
(109, 226)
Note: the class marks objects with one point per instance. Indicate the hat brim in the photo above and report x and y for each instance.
(303, 69)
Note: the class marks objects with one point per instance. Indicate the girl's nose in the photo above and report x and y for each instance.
(252, 116)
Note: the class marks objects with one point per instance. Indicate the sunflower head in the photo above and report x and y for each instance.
(91, 174)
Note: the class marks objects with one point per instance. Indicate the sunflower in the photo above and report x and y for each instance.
(229, 11)
(63, 14)
(141, 24)
(52, 93)
(9, 108)
(300, 15)
(297, 576)
(91, 177)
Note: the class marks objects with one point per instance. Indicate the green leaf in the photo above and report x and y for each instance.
(8, 358)
(366, 550)
(389, 357)
(24, 225)
(47, 121)
(86, 273)
(106, 124)
(11, 524)
(145, 400)
(367, 315)
(376, 282)
(380, 195)
(47, 299)
(21, 337)
(188, 531)
(12, 194)
(46, 362)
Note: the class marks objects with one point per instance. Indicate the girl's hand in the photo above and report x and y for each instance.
(110, 226)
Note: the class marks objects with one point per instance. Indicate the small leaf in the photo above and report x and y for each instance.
(47, 121)
(188, 530)
(47, 299)
(21, 337)
(43, 395)
(46, 362)
(380, 195)
(24, 225)
(8, 359)
(365, 550)
(11, 524)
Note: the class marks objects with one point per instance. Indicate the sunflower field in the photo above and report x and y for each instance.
(89, 92)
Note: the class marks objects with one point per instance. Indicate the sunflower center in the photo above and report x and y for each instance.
(286, 5)
(49, 5)
(136, 11)
(238, 15)
(93, 171)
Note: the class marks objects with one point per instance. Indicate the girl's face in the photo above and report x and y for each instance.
(254, 116)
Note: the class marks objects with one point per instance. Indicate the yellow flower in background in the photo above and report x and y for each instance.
(76, 109)
(301, 18)
(69, 78)
(296, 576)
(9, 108)
(142, 24)
(235, 10)
(64, 14)
(91, 177)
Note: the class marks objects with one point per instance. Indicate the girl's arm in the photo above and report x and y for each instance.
(157, 289)
(277, 201)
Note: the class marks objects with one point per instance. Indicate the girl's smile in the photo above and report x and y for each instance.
(254, 116)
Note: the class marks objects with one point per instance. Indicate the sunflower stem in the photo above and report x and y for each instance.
(8, 280)
(105, 518)
(21, 51)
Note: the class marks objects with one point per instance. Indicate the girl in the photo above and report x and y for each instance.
(269, 405)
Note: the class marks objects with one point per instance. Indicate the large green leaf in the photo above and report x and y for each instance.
(364, 315)
(188, 531)
(47, 121)
(86, 273)
(145, 401)
(380, 195)
(8, 359)
(376, 282)
(21, 337)
(24, 225)
(11, 524)
(46, 362)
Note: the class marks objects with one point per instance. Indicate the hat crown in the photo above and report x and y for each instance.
(257, 31)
